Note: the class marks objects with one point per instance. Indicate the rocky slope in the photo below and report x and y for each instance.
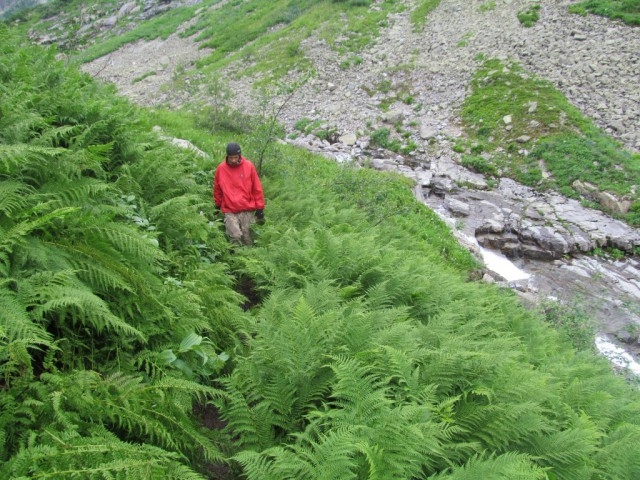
(592, 60)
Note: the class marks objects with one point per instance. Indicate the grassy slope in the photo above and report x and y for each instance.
(551, 129)
(626, 10)
(374, 288)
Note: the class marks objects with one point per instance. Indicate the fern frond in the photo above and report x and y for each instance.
(201, 392)
(14, 158)
(329, 457)
(15, 322)
(127, 241)
(509, 466)
(569, 453)
(252, 424)
(15, 234)
(62, 295)
(360, 397)
(98, 269)
(76, 192)
(96, 457)
(619, 456)
(150, 413)
(260, 465)
(59, 136)
(13, 197)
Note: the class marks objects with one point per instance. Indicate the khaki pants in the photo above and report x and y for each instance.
(238, 226)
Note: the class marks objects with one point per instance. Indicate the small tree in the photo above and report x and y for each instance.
(267, 126)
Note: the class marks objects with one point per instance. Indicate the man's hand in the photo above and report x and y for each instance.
(260, 217)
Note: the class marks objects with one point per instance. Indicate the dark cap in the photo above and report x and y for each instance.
(233, 149)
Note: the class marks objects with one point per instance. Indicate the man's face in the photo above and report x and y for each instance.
(233, 160)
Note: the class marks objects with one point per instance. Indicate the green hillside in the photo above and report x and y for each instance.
(262, 41)
(349, 343)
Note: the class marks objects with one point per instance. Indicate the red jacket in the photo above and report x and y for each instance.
(238, 188)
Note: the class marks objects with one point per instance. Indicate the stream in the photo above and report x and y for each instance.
(594, 284)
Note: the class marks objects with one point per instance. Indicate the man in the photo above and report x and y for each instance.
(237, 192)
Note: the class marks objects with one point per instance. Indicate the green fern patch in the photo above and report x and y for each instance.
(363, 352)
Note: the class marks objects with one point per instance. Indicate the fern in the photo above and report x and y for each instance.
(61, 408)
(15, 234)
(12, 198)
(252, 424)
(126, 241)
(219, 302)
(76, 192)
(14, 159)
(15, 321)
(99, 456)
(619, 456)
(99, 270)
(61, 295)
(509, 466)
(61, 136)
(331, 456)
(568, 453)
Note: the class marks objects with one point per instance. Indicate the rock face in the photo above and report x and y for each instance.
(592, 60)
(543, 226)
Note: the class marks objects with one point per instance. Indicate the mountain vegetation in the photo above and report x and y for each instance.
(349, 343)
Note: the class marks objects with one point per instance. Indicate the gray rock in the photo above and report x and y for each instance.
(126, 9)
(393, 116)
(490, 225)
(109, 22)
(349, 139)
(427, 132)
(457, 207)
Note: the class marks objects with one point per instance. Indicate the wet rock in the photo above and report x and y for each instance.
(442, 186)
(490, 225)
(457, 208)
(626, 336)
